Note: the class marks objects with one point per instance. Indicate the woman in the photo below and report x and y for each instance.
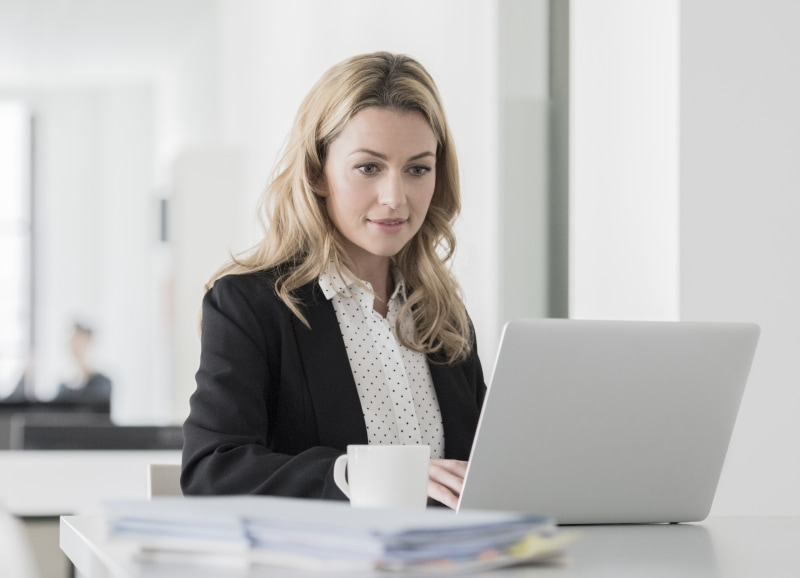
(344, 325)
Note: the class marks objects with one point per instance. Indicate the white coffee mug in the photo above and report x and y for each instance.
(384, 476)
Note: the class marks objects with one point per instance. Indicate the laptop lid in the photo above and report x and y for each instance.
(599, 422)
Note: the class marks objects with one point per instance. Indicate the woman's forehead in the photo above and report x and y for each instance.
(377, 128)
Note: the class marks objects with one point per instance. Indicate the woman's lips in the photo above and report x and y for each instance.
(388, 222)
(388, 226)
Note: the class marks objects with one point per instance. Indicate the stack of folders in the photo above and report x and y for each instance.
(330, 536)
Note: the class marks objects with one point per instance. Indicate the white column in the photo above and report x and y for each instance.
(623, 217)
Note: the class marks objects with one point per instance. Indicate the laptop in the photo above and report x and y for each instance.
(609, 422)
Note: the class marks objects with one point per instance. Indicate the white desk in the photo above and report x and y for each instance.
(722, 547)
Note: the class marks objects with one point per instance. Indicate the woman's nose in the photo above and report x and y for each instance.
(392, 192)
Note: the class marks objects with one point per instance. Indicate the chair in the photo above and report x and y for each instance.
(163, 480)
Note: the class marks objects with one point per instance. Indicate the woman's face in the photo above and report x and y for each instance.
(380, 174)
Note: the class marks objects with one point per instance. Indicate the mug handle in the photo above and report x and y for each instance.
(339, 469)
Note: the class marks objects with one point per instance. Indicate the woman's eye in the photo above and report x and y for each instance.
(420, 170)
(368, 168)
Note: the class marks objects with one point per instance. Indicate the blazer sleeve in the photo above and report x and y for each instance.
(248, 432)
(460, 389)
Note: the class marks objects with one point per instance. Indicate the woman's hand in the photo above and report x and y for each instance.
(445, 480)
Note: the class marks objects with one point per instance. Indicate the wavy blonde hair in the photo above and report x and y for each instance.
(300, 238)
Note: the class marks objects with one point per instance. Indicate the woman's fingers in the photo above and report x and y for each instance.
(445, 480)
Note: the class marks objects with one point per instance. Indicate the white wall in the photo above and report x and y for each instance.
(740, 240)
(623, 160)
(206, 220)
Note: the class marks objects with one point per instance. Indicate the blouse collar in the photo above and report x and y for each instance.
(333, 284)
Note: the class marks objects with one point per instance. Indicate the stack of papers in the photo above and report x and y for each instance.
(328, 535)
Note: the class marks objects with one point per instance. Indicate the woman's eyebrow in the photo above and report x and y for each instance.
(422, 155)
(371, 153)
(385, 157)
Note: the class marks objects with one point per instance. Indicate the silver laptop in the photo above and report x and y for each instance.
(601, 422)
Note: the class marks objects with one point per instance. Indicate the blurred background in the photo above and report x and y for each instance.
(619, 159)
(140, 135)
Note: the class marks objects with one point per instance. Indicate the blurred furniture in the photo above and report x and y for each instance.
(163, 480)
(86, 431)
(53, 483)
(16, 405)
(38, 486)
(10, 409)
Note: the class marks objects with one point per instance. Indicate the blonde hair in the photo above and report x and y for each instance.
(300, 238)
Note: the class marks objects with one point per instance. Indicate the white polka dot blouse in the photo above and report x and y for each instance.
(394, 383)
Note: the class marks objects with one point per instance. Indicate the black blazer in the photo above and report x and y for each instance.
(276, 402)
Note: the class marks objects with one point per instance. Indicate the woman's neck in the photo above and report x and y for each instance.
(379, 277)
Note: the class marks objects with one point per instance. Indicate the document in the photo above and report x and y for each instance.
(330, 535)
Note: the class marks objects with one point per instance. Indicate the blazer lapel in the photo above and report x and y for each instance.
(340, 420)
